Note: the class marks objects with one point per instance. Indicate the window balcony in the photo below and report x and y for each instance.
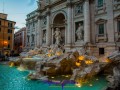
(117, 36)
(101, 37)
(32, 43)
(100, 9)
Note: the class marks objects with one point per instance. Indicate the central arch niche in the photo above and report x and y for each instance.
(59, 22)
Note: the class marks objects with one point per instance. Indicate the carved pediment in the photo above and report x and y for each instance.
(117, 17)
(117, 0)
(101, 20)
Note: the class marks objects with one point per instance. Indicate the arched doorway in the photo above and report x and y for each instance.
(59, 23)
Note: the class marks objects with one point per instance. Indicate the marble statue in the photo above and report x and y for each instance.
(57, 35)
(39, 3)
(79, 32)
(44, 38)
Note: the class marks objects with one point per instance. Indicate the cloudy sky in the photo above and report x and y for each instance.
(17, 10)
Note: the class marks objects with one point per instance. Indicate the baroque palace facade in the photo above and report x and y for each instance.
(75, 24)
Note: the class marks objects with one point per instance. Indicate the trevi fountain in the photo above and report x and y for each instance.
(72, 70)
(53, 68)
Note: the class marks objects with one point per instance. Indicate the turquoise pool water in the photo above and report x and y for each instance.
(12, 79)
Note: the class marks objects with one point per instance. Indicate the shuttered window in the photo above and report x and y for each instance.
(101, 28)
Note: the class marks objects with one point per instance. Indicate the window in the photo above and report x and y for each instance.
(9, 24)
(28, 38)
(33, 24)
(44, 20)
(0, 22)
(117, 0)
(8, 45)
(119, 49)
(101, 29)
(101, 51)
(32, 38)
(9, 31)
(100, 3)
(118, 26)
(8, 37)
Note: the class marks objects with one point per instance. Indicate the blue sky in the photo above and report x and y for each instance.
(17, 10)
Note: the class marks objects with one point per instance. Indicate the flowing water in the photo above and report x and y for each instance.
(13, 79)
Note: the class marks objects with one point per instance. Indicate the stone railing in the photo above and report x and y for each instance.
(102, 37)
(100, 9)
(32, 43)
(117, 36)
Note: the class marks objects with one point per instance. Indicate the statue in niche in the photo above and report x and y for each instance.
(79, 32)
(44, 37)
(57, 35)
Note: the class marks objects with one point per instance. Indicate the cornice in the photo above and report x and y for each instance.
(51, 5)
(69, 4)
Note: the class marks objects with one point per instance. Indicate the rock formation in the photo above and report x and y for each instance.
(113, 71)
(70, 63)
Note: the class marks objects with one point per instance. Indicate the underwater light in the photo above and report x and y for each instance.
(66, 76)
(49, 55)
(107, 60)
(11, 64)
(21, 69)
(88, 62)
(23, 77)
(97, 79)
(78, 64)
(78, 85)
(90, 85)
(81, 58)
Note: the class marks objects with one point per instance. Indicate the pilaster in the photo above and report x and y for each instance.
(69, 23)
(86, 21)
(39, 40)
(48, 29)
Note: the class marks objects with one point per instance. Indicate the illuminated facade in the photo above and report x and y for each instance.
(6, 34)
(94, 24)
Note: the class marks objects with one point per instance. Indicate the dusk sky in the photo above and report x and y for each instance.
(17, 10)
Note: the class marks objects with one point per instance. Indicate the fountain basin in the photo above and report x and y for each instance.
(12, 79)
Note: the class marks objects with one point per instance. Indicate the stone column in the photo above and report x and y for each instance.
(52, 34)
(48, 29)
(65, 34)
(110, 22)
(69, 23)
(36, 35)
(39, 40)
(86, 21)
